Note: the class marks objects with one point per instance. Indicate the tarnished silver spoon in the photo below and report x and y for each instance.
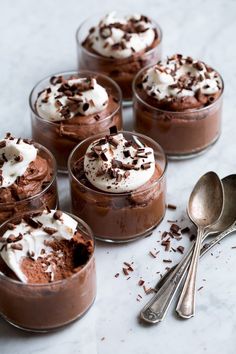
(204, 209)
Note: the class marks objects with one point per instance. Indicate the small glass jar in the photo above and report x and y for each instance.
(45, 307)
(120, 70)
(182, 134)
(119, 217)
(48, 196)
(60, 137)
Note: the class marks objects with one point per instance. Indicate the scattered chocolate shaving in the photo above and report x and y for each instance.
(201, 287)
(19, 158)
(49, 230)
(185, 230)
(57, 215)
(17, 246)
(125, 271)
(180, 249)
(2, 144)
(141, 282)
(117, 275)
(171, 206)
(152, 254)
(113, 130)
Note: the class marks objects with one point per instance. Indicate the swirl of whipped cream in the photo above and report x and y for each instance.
(15, 157)
(64, 99)
(121, 37)
(30, 239)
(113, 164)
(180, 76)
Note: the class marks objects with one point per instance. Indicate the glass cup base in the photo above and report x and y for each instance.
(193, 154)
(147, 233)
(48, 330)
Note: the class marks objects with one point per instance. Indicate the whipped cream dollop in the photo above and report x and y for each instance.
(31, 238)
(15, 157)
(64, 99)
(121, 37)
(113, 164)
(180, 76)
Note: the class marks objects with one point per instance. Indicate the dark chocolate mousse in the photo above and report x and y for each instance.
(120, 46)
(178, 103)
(70, 108)
(118, 186)
(51, 249)
(27, 177)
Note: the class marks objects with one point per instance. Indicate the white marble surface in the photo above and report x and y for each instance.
(37, 39)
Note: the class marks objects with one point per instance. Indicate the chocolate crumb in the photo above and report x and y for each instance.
(185, 230)
(141, 282)
(17, 246)
(171, 206)
(57, 215)
(180, 249)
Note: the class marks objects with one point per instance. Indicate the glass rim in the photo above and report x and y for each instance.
(54, 175)
(177, 113)
(71, 72)
(125, 193)
(79, 43)
(57, 282)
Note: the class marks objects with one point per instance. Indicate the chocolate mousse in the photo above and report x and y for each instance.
(119, 46)
(27, 177)
(118, 185)
(68, 108)
(48, 258)
(178, 103)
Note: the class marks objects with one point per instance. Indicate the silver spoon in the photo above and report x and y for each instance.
(224, 223)
(204, 209)
(156, 309)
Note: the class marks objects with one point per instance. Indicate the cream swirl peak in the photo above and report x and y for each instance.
(31, 238)
(113, 164)
(121, 37)
(180, 76)
(15, 157)
(65, 98)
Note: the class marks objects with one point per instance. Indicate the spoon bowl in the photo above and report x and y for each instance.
(228, 215)
(206, 200)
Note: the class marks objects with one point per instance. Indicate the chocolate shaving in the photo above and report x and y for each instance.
(57, 215)
(17, 246)
(180, 249)
(113, 130)
(49, 230)
(2, 144)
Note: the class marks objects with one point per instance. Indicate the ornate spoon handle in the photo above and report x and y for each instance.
(157, 307)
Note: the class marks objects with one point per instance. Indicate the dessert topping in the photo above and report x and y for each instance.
(66, 98)
(113, 164)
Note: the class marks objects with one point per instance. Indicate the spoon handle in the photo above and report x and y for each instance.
(156, 309)
(186, 304)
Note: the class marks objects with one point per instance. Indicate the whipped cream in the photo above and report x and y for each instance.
(15, 157)
(121, 37)
(180, 76)
(64, 99)
(33, 242)
(113, 164)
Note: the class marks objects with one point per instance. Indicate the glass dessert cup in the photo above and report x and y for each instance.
(122, 71)
(45, 307)
(119, 217)
(182, 134)
(60, 137)
(48, 196)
